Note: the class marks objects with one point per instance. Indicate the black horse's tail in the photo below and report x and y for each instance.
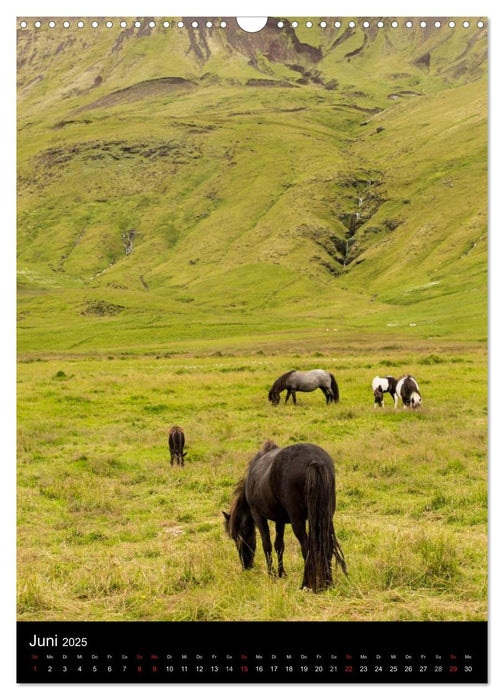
(334, 388)
(322, 542)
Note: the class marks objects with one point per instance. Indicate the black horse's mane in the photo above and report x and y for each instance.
(279, 384)
(239, 502)
(267, 446)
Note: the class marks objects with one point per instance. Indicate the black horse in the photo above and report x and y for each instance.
(304, 381)
(289, 485)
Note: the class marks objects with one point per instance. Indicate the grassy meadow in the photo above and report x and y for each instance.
(109, 531)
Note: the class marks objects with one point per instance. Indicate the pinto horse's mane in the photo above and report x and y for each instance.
(279, 384)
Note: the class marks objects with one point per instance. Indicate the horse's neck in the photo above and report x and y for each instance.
(282, 381)
(243, 506)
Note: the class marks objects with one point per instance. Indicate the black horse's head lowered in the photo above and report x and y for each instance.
(240, 526)
(290, 485)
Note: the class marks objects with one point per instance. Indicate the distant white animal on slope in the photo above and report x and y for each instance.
(382, 385)
(407, 390)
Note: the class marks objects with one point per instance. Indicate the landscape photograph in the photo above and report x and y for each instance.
(205, 217)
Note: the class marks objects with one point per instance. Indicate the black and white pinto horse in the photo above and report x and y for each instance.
(407, 390)
(304, 381)
(383, 385)
(289, 485)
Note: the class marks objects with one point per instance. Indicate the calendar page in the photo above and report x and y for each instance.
(252, 349)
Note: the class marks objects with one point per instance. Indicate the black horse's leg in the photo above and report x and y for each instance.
(287, 395)
(279, 547)
(262, 524)
(299, 529)
(293, 396)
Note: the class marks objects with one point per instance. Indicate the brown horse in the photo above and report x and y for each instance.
(289, 485)
(176, 442)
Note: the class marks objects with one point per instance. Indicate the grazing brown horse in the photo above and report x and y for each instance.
(289, 485)
(176, 442)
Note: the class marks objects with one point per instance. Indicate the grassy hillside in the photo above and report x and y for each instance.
(168, 175)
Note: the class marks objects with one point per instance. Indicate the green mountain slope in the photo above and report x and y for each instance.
(180, 184)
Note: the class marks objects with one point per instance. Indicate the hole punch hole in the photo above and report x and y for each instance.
(23, 25)
(94, 24)
(351, 24)
(66, 24)
(337, 25)
(166, 25)
(480, 25)
(152, 24)
(365, 24)
(323, 25)
(123, 24)
(109, 24)
(52, 24)
(423, 24)
(209, 24)
(409, 24)
(309, 25)
(380, 24)
(180, 25)
(466, 24)
(251, 24)
(280, 24)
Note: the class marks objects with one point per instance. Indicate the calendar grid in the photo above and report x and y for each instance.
(252, 652)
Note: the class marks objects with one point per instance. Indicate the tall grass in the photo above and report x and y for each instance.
(109, 531)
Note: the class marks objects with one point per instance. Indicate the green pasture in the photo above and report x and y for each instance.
(109, 531)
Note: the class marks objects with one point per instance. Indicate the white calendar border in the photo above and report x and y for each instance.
(315, 8)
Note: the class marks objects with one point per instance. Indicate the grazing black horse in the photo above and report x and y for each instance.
(176, 442)
(289, 485)
(304, 381)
